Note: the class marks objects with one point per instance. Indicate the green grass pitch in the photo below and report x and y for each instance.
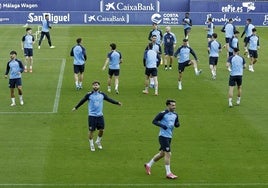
(44, 144)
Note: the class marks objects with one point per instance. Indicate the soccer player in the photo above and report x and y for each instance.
(247, 32)
(27, 47)
(157, 32)
(235, 65)
(14, 68)
(253, 46)
(183, 55)
(210, 29)
(95, 100)
(214, 47)
(78, 52)
(45, 32)
(166, 120)
(228, 29)
(114, 58)
(169, 42)
(187, 24)
(233, 43)
(157, 48)
(151, 61)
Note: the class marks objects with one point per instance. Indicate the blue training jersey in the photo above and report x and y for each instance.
(28, 41)
(237, 65)
(158, 34)
(248, 29)
(45, 25)
(15, 68)
(168, 119)
(210, 27)
(151, 59)
(184, 54)
(114, 59)
(214, 48)
(233, 43)
(187, 23)
(253, 42)
(79, 54)
(229, 30)
(169, 39)
(95, 102)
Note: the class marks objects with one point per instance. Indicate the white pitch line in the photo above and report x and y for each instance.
(142, 185)
(57, 97)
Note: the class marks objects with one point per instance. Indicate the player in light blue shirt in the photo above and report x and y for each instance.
(14, 68)
(27, 42)
(228, 29)
(167, 120)
(247, 32)
(253, 46)
(78, 52)
(210, 28)
(45, 32)
(233, 43)
(95, 100)
(187, 25)
(157, 32)
(183, 55)
(151, 60)
(214, 47)
(114, 59)
(235, 65)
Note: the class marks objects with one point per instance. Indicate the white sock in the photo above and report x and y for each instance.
(179, 82)
(98, 139)
(20, 97)
(151, 162)
(167, 169)
(13, 100)
(152, 81)
(91, 142)
(80, 84)
(76, 83)
(196, 70)
(116, 87)
(230, 100)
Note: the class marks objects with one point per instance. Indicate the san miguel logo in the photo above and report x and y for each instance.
(111, 6)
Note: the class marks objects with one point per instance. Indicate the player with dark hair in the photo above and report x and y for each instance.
(78, 52)
(253, 46)
(187, 25)
(114, 58)
(166, 120)
(214, 47)
(95, 100)
(247, 32)
(233, 43)
(235, 65)
(229, 30)
(27, 42)
(14, 68)
(210, 29)
(157, 32)
(183, 55)
(45, 32)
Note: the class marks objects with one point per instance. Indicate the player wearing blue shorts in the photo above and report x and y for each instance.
(14, 68)
(235, 65)
(167, 120)
(214, 47)
(233, 43)
(151, 61)
(183, 55)
(95, 100)
(169, 42)
(228, 29)
(78, 52)
(253, 46)
(27, 42)
(114, 59)
(247, 32)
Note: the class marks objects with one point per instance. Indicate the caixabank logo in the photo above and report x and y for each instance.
(106, 18)
(130, 6)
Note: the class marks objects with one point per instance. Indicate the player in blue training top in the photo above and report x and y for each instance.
(233, 43)
(45, 32)
(247, 32)
(95, 113)
(157, 32)
(235, 65)
(114, 58)
(253, 46)
(151, 60)
(210, 29)
(166, 120)
(169, 42)
(229, 30)
(27, 42)
(187, 25)
(78, 52)
(214, 47)
(183, 55)
(14, 68)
